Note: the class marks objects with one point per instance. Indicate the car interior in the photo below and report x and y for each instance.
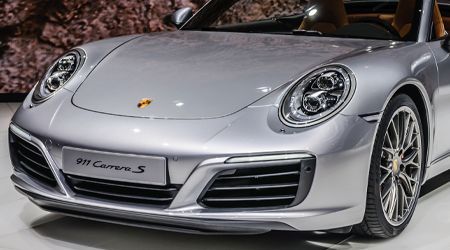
(441, 19)
(390, 20)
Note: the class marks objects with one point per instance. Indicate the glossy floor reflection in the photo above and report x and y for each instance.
(24, 226)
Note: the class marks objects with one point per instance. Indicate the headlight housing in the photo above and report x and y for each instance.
(57, 76)
(318, 96)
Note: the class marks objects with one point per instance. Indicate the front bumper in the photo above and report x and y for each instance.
(336, 198)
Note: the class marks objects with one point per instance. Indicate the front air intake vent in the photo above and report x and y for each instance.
(30, 160)
(123, 191)
(260, 187)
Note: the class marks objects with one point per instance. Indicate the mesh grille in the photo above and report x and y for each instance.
(29, 159)
(123, 191)
(254, 188)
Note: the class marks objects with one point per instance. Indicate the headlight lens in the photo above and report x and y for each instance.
(317, 97)
(57, 76)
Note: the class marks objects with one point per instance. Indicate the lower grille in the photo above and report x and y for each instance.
(123, 191)
(29, 159)
(260, 187)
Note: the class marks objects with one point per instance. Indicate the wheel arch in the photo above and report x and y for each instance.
(417, 92)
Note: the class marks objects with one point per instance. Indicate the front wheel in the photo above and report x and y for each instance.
(395, 172)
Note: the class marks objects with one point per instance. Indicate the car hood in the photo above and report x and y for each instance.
(200, 75)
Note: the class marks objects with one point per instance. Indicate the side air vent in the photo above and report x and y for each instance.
(123, 191)
(29, 159)
(260, 187)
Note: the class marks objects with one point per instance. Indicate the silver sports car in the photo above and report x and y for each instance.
(255, 115)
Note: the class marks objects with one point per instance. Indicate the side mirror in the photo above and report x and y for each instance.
(446, 44)
(181, 16)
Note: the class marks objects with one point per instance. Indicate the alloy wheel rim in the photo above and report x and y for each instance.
(401, 165)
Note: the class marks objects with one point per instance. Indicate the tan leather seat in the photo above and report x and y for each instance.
(331, 15)
(404, 16)
(439, 27)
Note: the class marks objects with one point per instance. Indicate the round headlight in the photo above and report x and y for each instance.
(317, 97)
(57, 76)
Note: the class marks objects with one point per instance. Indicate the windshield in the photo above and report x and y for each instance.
(374, 19)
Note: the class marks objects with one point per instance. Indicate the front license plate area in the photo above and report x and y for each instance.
(114, 166)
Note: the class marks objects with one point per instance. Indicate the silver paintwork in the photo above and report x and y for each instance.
(263, 62)
(234, 113)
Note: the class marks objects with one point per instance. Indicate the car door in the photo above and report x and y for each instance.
(441, 99)
(441, 103)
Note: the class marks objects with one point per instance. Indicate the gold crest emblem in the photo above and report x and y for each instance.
(144, 102)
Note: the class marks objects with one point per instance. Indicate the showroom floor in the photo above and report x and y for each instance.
(24, 226)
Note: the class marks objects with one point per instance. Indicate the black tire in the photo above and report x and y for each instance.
(375, 223)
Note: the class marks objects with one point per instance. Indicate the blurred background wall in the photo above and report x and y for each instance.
(33, 33)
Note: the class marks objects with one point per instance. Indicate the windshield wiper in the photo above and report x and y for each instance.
(307, 33)
(209, 29)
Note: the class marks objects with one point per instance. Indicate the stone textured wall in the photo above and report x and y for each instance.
(33, 33)
(250, 10)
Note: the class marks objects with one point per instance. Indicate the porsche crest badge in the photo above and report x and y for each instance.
(144, 102)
